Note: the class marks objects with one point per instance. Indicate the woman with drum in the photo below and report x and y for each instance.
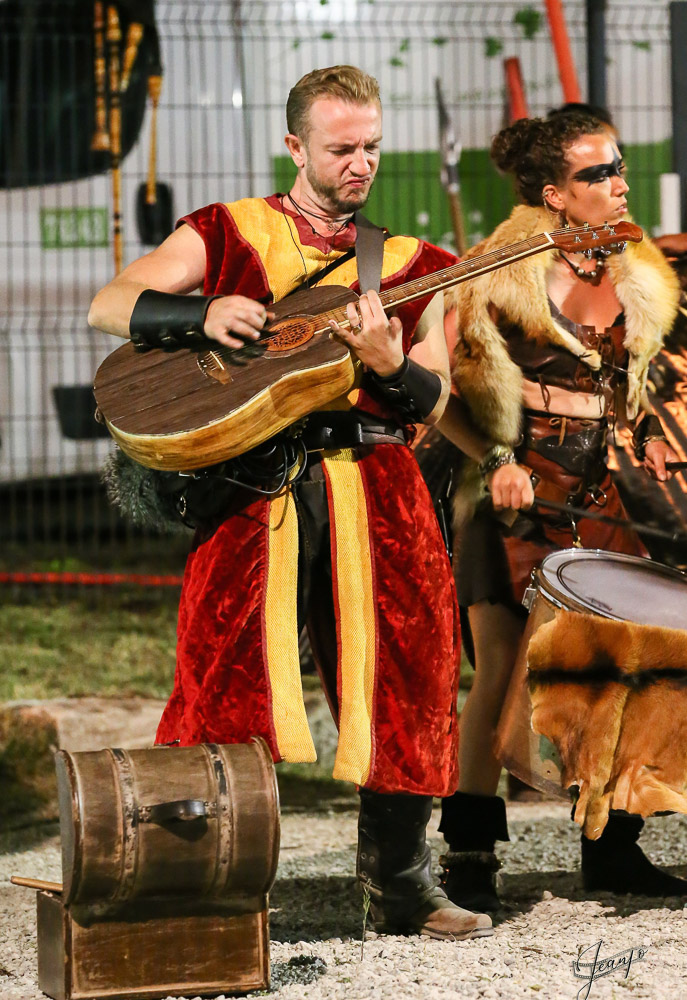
(551, 352)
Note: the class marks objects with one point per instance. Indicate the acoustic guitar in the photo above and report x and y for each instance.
(188, 408)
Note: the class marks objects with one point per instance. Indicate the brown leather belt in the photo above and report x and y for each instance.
(343, 429)
(541, 425)
(554, 483)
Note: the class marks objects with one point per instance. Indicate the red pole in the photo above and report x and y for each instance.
(517, 102)
(561, 44)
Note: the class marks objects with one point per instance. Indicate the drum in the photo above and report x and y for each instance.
(590, 582)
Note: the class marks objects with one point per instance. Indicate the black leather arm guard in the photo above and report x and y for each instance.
(648, 429)
(161, 319)
(413, 391)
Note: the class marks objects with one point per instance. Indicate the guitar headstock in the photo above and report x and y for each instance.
(589, 237)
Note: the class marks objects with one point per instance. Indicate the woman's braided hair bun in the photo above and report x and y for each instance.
(533, 150)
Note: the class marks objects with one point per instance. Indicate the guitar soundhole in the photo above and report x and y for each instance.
(292, 332)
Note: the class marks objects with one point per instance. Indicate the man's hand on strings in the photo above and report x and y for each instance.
(374, 337)
(232, 315)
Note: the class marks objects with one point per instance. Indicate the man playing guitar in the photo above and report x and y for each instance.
(350, 547)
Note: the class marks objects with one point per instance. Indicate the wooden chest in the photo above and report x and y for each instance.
(167, 856)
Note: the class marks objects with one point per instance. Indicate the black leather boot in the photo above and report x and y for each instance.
(394, 865)
(616, 863)
(471, 825)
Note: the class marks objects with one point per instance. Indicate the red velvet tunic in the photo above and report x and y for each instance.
(398, 718)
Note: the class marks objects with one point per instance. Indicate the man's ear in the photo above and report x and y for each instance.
(552, 198)
(296, 148)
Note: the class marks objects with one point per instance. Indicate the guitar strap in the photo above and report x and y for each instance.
(369, 253)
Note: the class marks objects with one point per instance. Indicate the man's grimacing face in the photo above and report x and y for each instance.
(341, 152)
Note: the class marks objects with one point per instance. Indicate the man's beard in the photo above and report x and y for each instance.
(330, 194)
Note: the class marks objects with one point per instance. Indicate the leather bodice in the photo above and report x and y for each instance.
(550, 364)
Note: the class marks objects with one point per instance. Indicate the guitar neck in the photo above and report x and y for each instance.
(392, 298)
(575, 240)
(431, 283)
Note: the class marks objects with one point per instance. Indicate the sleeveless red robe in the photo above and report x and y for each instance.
(237, 672)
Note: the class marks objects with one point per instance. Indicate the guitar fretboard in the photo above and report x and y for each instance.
(429, 284)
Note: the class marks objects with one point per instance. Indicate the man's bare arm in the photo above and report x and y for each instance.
(177, 266)
(429, 350)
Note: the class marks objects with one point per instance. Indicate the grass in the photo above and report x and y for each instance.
(119, 643)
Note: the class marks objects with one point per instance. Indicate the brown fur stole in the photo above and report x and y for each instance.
(612, 697)
(487, 379)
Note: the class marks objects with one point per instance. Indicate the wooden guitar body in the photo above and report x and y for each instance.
(183, 410)
(186, 409)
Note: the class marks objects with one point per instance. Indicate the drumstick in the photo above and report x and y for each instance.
(575, 513)
(675, 466)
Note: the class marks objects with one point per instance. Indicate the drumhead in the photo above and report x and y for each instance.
(625, 588)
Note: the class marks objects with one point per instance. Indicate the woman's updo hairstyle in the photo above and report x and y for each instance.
(533, 150)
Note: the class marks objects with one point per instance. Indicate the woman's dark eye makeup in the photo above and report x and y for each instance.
(601, 171)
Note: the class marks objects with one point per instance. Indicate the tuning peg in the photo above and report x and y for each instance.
(621, 247)
(588, 253)
(604, 252)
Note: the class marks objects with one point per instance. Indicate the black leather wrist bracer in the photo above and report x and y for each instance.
(161, 319)
(648, 429)
(413, 391)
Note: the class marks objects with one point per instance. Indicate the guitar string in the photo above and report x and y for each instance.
(256, 349)
(438, 276)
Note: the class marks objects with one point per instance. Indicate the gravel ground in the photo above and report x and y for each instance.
(316, 920)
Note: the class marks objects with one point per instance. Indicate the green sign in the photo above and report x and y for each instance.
(63, 228)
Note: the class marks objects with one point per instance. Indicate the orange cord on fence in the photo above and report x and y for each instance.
(93, 579)
(515, 88)
(561, 44)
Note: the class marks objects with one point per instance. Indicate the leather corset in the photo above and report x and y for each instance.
(550, 364)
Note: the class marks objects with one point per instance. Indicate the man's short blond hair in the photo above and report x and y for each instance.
(348, 83)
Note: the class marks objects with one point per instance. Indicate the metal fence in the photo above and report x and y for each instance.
(228, 67)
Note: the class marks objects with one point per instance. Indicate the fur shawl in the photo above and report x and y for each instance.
(487, 379)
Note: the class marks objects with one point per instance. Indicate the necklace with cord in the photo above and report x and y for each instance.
(581, 272)
(306, 276)
(335, 226)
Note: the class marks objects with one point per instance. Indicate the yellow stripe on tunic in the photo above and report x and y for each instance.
(294, 739)
(356, 615)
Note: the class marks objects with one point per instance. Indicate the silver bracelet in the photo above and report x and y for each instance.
(498, 455)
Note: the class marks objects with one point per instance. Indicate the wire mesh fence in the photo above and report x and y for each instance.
(228, 67)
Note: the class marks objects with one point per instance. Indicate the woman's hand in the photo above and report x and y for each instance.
(656, 454)
(373, 337)
(510, 486)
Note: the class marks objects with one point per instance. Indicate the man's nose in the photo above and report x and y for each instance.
(359, 164)
(621, 186)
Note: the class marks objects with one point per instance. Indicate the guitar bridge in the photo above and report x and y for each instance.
(212, 365)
